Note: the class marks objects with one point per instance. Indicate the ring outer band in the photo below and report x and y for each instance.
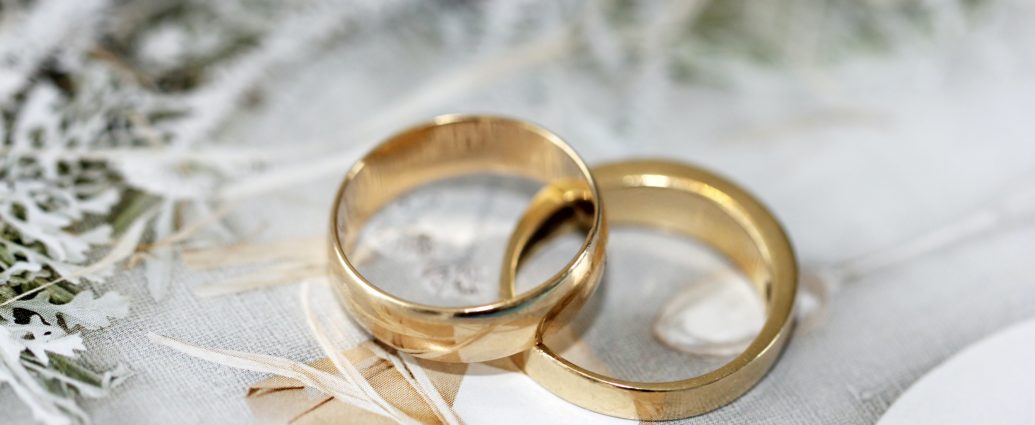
(703, 393)
(475, 333)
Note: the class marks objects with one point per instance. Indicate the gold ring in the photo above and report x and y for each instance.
(687, 200)
(450, 146)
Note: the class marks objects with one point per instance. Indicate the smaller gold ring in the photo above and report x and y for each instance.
(450, 146)
(688, 200)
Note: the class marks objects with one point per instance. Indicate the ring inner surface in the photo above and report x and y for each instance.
(708, 219)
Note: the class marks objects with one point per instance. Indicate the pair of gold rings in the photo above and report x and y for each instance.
(660, 194)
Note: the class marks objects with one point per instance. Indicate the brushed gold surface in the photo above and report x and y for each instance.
(684, 199)
(450, 146)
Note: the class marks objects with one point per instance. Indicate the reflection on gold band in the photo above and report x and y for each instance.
(683, 199)
(447, 147)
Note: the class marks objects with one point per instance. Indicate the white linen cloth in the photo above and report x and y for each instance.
(862, 159)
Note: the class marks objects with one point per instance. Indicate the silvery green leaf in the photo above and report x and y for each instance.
(36, 328)
(158, 266)
(47, 339)
(18, 267)
(46, 406)
(84, 310)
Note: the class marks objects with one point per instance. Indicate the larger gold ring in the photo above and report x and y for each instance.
(448, 147)
(688, 200)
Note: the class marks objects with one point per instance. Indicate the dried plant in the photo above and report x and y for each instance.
(93, 112)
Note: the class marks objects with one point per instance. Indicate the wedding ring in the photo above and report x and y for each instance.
(451, 146)
(691, 201)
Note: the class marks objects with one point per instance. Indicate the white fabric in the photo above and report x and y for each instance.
(860, 160)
